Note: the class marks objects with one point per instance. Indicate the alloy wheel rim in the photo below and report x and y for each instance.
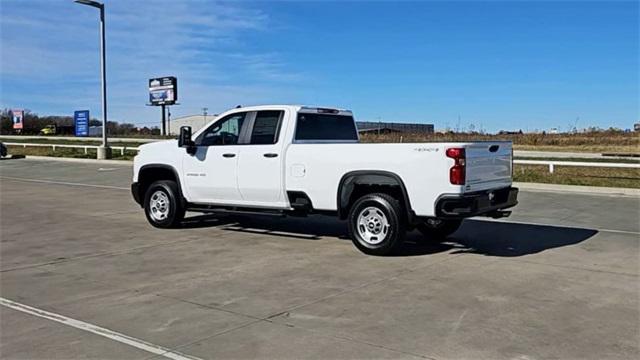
(373, 225)
(159, 206)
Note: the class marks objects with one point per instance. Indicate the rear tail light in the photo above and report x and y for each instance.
(457, 173)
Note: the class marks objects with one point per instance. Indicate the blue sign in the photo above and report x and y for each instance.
(81, 119)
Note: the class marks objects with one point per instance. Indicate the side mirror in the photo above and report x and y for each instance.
(184, 140)
(185, 136)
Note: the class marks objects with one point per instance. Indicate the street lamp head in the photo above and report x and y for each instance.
(90, 3)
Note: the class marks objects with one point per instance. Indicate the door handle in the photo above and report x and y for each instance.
(229, 155)
(270, 155)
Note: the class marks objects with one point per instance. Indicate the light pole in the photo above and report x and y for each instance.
(204, 112)
(104, 151)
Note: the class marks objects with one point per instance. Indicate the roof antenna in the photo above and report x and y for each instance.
(238, 106)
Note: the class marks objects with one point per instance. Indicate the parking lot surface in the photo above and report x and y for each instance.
(83, 275)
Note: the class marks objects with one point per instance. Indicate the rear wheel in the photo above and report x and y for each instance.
(163, 204)
(439, 228)
(376, 224)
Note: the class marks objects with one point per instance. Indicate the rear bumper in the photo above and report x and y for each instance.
(135, 192)
(478, 203)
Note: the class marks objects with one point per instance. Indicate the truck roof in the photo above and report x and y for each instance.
(299, 108)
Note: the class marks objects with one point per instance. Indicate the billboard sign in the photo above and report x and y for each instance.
(17, 117)
(81, 119)
(163, 91)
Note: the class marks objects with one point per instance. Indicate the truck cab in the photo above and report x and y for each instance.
(299, 160)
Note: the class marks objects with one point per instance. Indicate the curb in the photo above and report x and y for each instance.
(80, 160)
(587, 190)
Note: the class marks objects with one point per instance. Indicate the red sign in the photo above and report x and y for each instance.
(18, 119)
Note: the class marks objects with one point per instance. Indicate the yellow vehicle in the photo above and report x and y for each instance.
(54, 129)
(48, 130)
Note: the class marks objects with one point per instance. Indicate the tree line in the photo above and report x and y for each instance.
(33, 123)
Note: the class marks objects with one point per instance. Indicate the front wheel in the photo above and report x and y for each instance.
(376, 224)
(163, 204)
(439, 228)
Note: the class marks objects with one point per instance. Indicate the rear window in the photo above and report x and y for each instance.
(325, 127)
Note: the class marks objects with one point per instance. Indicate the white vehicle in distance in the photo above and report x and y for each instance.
(297, 160)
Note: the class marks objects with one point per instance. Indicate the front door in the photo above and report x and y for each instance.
(210, 175)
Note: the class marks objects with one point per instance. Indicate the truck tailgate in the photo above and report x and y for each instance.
(488, 165)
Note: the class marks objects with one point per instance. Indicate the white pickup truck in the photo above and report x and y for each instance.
(297, 160)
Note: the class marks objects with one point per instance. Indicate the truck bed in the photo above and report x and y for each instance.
(317, 169)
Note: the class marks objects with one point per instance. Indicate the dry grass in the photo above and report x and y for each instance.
(587, 142)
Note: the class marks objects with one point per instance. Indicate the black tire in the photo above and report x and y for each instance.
(174, 210)
(394, 216)
(440, 230)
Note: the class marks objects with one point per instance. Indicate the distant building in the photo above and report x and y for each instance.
(636, 127)
(195, 121)
(95, 130)
(386, 127)
(509, 132)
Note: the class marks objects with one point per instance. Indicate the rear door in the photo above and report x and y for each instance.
(260, 167)
(488, 165)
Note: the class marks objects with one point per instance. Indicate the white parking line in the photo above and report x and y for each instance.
(64, 183)
(113, 335)
(556, 225)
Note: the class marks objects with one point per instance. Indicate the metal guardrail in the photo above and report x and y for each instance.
(550, 163)
(553, 164)
(74, 138)
(85, 147)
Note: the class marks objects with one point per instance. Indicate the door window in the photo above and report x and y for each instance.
(266, 127)
(223, 132)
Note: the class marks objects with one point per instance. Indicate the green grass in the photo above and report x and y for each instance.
(67, 152)
(570, 175)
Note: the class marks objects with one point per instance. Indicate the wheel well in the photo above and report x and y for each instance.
(359, 183)
(150, 174)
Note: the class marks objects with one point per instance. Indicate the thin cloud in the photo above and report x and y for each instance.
(199, 42)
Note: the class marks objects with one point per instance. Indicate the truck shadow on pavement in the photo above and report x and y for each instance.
(508, 239)
(489, 238)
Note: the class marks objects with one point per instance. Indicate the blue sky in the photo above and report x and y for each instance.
(499, 65)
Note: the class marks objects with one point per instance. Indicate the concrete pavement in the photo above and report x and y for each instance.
(558, 279)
